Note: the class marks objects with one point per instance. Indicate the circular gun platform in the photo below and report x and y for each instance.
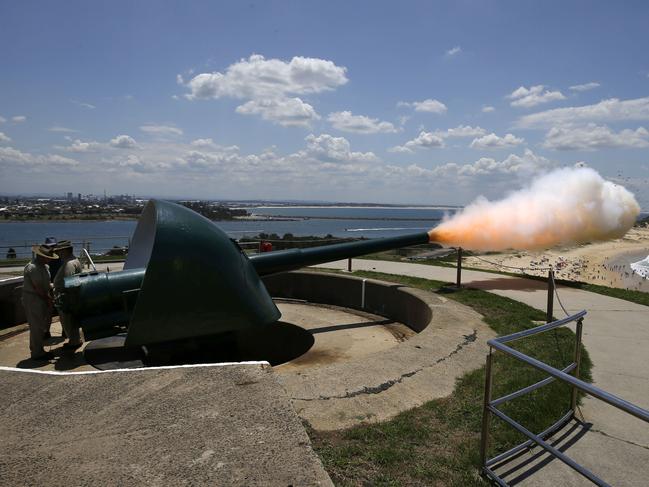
(347, 350)
(309, 335)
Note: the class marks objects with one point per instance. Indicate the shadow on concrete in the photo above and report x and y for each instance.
(29, 363)
(277, 343)
(509, 284)
(520, 467)
(349, 326)
(69, 360)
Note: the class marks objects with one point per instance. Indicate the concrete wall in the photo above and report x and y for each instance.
(11, 308)
(390, 300)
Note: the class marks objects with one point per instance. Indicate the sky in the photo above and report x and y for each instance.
(390, 102)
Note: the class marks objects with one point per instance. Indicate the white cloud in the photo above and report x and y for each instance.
(138, 165)
(431, 140)
(4, 138)
(162, 166)
(454, 51)
(488, 109)
(499, 172)
(284, 111)
(81, 146)
(360, 124)
(161, 130)
(258, 77)
(429, 105)
(19, 119)
(203, 143)
(327, 148)
(270, 85)
(585, 87)
(492, 141)
(425, 140)
(606, 111)
(528, 163)
(9, 155)
(462, 131)
(123, 142)
(83, 104)
(527, 98)
(58, 128)
(593, 137)
(210, 144)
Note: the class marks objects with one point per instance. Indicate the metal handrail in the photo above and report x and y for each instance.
(94, 268)
(490, 406)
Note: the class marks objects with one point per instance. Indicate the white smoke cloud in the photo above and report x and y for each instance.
(566, 206)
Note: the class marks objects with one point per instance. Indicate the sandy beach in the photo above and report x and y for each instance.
(603, 263)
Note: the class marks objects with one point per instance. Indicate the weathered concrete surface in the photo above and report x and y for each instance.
(200, 425)
(339, 334)
(14, 351)
(377, 386)
(362, 367)
(616, 335)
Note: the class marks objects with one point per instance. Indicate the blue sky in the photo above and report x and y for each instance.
(396, 102)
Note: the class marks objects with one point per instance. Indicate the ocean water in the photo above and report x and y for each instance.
(342, 222)
(641, 267)
(318, 221)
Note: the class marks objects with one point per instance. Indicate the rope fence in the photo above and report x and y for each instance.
(552, 285)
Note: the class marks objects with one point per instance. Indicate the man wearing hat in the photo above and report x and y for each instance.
(70, 266)
(37, 299)
(53, 265)
(51, 242)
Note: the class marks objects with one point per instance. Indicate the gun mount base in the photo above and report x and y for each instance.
(277, 343)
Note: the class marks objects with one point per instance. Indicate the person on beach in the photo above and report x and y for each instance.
(37, 299)
(70, 266)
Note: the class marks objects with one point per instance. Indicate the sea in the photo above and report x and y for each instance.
(641, 267)
(337, 221)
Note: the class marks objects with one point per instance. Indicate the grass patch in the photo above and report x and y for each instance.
(438, 443)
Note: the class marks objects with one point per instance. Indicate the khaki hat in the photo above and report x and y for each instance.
(63, 244)
(44, 251)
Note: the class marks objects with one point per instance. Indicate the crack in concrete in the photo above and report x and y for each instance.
(388, 384)
(603, 433)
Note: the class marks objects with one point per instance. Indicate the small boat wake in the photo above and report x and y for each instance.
(384, 229)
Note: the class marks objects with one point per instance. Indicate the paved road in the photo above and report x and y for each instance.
(616, 334)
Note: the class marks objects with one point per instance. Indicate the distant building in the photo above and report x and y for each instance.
(70, 197)
(79, 197)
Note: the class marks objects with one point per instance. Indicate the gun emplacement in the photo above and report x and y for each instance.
(184, 277)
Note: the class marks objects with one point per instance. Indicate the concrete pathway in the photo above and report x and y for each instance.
(616, 334)
(177, 426)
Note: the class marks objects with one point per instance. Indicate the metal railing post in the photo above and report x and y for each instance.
(550, 308)
(459, 268)
(486, 414)
(578, 334)
(349, 265)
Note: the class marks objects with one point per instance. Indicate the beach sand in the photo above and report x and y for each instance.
(603, 263)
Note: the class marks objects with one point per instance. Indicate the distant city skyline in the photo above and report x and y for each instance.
(377, 102)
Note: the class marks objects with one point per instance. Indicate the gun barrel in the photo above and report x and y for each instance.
(288, 260)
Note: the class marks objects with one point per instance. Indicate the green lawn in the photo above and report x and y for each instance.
(438, 443)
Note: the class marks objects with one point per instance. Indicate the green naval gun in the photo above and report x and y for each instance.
(184, 278)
